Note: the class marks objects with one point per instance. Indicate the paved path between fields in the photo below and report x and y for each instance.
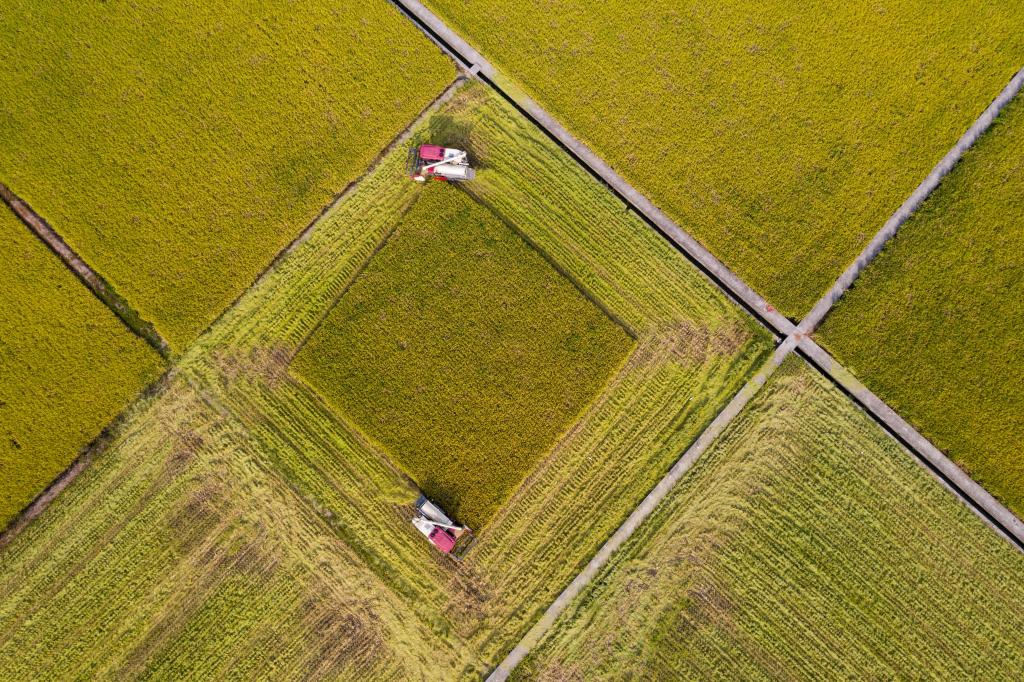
(987, 508)
(889, 229)
(99, 287)
(707, 437)
(478, 67)
(955, 479)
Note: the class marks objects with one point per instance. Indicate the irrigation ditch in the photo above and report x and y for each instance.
(100, 288)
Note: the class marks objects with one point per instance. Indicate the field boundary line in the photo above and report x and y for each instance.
(706, 438)
(821, 309)
(478, 67)
(89, 277)
(340, 196)
(948, 473)
(80, 463)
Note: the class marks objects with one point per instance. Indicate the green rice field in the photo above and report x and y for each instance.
(933, 326)
(179, 146)
(780, 135)
(805, 541)
(67, 366)
(463, 352)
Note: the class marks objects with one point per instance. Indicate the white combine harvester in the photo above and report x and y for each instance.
(440, 163)
(440, 530)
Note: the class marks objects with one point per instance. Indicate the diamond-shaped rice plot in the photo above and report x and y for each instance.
(463, 352)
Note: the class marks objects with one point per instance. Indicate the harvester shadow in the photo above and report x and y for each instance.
(448, 131)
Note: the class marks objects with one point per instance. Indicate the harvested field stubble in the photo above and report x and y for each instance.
(806, 540)
(178, 146)
(935, 326)
(781, 135)
(67, 366)
(463, 352)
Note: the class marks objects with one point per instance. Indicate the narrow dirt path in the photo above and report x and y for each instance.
(913, 202)
(980, 501)
(99, 287)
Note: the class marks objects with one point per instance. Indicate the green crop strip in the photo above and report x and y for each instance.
(934, 325)
(781, 135)
(804, 541)
(237, 520)
(463, 352)
(67, 366)
(177, 147)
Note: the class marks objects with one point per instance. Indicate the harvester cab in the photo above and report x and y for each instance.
(440, 163)
(446, 535)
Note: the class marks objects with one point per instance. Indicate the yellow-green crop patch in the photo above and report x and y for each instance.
(67, 366)
(805, 543)
(782, 135)
(178, 146)
(934, 325)
(463, 352)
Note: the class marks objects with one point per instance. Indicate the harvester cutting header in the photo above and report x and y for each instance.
(440, 163)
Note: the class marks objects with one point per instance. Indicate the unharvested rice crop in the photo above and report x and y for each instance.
(178, 146)
(238, 476)
(782, 135)
(806, 542)
(463, 352)
(67, 366)
(934, 326)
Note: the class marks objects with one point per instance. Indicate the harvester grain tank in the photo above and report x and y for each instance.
(446, 535)
(440, 163)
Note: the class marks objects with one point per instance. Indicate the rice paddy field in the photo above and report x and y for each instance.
(238, 524)
(933, 326)
(463, 352)
(68, 366)
(178, 147)
(782, 136)
(804, 541)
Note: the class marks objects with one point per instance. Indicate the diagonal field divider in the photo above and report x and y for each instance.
(731, 410)
(89, 277)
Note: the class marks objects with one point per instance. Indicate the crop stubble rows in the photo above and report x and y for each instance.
(804, 541)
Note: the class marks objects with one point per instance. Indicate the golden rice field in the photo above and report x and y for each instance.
(804, 541)
(462, 352)
(68, 366)
(522, 348)
(179, 146)
(239, 526)
(781, 135)
(933, 326)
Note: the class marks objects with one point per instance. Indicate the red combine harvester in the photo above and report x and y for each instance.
(447, 536)
(440, 163)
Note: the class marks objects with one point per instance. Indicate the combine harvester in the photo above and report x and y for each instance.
(440, 163)
(449, 537)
